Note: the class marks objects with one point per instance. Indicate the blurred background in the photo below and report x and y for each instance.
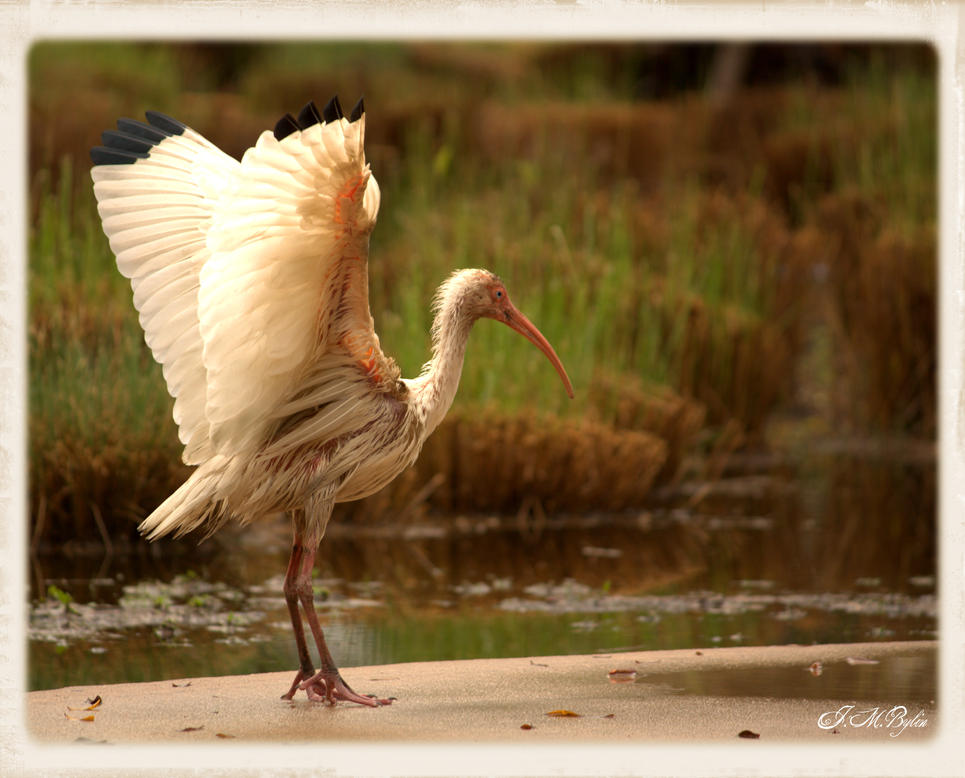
(732, 248)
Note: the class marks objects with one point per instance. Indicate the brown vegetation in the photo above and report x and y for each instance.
(763, 180)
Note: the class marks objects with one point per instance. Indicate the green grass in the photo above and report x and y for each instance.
(93, 382)
(100, 419)
(124, 70)
(87, 354)
(900, 162)
(566, 242)
(877, 205)
(683, 283)
(475, 216)
(882, 141)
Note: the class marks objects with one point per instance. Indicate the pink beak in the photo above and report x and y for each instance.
(514, 319)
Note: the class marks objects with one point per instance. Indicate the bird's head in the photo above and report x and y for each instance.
(482, 294)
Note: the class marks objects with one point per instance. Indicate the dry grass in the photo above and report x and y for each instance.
(483, 461)
(668, 248)
(882, 289)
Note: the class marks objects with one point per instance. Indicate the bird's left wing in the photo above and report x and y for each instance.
(287, 282)
(157, 186)
(249, 277)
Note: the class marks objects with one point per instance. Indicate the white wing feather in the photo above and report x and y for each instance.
(237, 269)
(156, 215)
(275, 277)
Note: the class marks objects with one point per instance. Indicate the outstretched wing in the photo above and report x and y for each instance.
(157, 185)
(254, 271)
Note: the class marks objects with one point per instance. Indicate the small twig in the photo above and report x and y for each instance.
(39, 522)
(99, 520)
(420, 497)
(423, 560)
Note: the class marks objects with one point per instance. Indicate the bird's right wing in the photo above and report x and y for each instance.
(287, 281)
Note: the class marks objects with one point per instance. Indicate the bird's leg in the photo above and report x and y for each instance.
(305, 667)
(327, 685)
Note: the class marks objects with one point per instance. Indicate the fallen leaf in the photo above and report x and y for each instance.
(563, 713)
(89, 717)
(91, 704)
(525, 726)
(746, 733)
(607, 716)
(223, 735)
(816, 668)
(181, 684)
(193, 729)
(622, 676)
(537, 664)
(857, 660)
(699, 653)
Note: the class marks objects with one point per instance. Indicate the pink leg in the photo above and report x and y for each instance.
(306, 668)
(327, 684)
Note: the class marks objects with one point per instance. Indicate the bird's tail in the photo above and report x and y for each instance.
(196, 503)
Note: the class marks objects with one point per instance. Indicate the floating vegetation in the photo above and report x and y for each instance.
(573, 597)
(182, 606)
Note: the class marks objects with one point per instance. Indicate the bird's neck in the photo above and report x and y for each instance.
(436, 387)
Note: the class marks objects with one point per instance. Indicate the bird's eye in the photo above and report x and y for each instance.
(499, 294)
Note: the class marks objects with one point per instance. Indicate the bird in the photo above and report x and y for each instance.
(250, 278)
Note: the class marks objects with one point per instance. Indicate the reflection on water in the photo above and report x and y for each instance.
(911, 679)
(839, 550)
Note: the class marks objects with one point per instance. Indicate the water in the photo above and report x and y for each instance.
(839, 550)
(911, 679)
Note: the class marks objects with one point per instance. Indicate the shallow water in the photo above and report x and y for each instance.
(910, 679)
(840, 551)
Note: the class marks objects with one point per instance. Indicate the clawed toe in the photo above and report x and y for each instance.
(329, 687)
(317, 692)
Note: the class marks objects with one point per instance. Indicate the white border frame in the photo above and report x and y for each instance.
(24, 23)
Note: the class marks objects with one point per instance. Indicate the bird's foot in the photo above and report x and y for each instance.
(328, 686)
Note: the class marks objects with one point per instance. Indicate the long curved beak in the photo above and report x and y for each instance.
(515, 320)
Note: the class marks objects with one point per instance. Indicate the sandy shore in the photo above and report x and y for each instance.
(481, 700)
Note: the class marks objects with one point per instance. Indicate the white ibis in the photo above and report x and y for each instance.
(251, 283)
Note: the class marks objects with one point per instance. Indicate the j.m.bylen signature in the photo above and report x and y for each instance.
(896, 719)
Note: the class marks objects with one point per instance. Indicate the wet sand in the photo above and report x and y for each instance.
(488, 700)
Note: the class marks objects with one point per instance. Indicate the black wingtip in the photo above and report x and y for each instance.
(333, 110)
(285, 126)
(357, 111)
(103, 155)
(142, 130)
(133, 140)
(165, 123)
(308, 116)
(124, 142)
